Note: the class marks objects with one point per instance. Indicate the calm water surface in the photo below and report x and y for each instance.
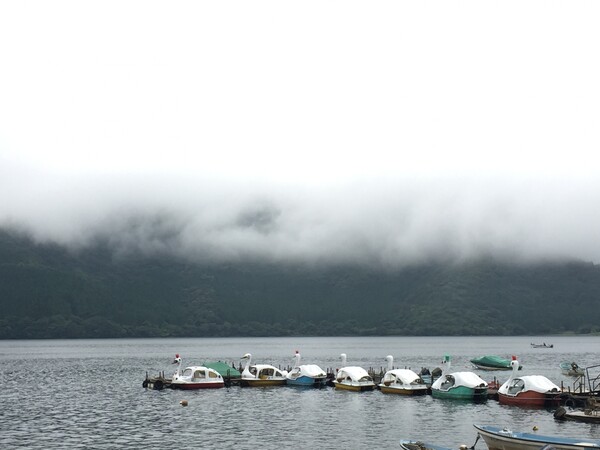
(88, 394)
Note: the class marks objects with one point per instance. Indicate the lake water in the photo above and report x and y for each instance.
(88, 394)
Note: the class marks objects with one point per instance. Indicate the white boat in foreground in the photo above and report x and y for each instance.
(504, 439)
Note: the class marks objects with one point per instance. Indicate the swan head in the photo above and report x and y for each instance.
(177, 359)
(247, 356)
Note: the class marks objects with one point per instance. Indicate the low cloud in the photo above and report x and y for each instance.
(388, 223)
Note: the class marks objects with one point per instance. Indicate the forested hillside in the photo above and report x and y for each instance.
(49, 292)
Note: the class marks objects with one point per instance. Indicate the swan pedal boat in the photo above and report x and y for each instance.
(401, 381)
(497, 438)
(352, 378)
(528, 390)
(196, 377)
(459, 385)
(260, 375)
(308, 375)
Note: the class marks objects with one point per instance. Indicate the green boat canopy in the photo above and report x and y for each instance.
(492, 362)
(224, 369)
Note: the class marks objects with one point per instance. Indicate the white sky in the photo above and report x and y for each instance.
(324, 111)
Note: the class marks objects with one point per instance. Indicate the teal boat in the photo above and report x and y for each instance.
(459, 385)
(492, 362)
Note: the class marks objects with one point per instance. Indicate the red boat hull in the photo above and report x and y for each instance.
(530, 398)
(190, 386)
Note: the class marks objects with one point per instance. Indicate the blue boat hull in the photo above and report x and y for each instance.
(307, 381)
(501, 438)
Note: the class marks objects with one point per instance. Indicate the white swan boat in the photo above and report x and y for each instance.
(401, 381)
(459, 385)
(195, 377)
(352, 378)
(256, 375)
(306, 374)
(528, 390)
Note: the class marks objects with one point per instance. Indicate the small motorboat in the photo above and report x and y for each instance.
(418, 445)
(544, 345)
(401, 381)
(528, 390)
(309, 375)
(352, 378)
(258, 375)
(505, 439)
(459, 385)
(590, 414)
(571, 369)
(195, 377)
(491, 362)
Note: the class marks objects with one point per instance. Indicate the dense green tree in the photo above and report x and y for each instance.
(47, 291)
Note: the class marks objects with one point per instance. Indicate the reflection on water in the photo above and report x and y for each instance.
(88, 394)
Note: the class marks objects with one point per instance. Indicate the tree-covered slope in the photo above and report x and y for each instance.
(49, 292)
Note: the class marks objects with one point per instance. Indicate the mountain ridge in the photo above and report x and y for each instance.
(47, 291)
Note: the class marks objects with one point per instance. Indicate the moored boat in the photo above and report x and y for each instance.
(401, 381)
(544, 345)
(418, 445)
(528, 390)
(459, 385)
(497, 438)
(571, 369)
(195, 377)
(590, 414)
(309, 375)
(353, 378)
(259, 375)
(491, 362)
(227, 372)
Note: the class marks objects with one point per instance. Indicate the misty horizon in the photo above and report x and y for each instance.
(338, 132)
(389, 223)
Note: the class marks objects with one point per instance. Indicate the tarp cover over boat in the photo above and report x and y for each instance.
(224, 369)
(492, 361)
